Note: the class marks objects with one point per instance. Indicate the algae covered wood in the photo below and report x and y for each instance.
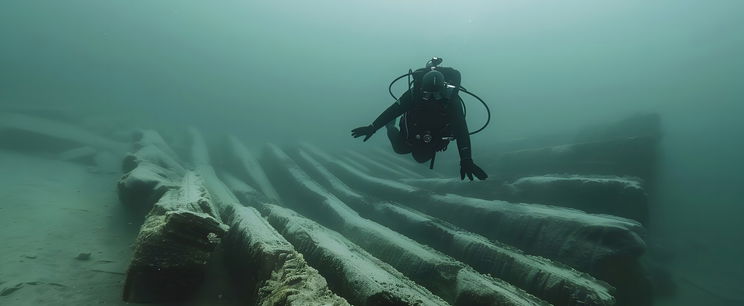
(553, 282)
(174, 245)
(451, 280)
(605, 194)
(546, 279)
(246, 164)
(353, 273)
(570, 236)
(261, 261)
(266, 265)
(149, 172)
(607, 247)
(627, 156)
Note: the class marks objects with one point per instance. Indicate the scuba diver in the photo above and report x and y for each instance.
(432, 115)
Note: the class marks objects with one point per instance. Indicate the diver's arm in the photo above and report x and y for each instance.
(462, 135)
(463, 147)
(461, 126)
(392, 112)
(467, 167)
(399, 107)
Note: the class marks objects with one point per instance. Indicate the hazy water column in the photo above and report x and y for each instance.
(311, 70)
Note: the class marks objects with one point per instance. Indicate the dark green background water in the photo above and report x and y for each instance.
(312, 70)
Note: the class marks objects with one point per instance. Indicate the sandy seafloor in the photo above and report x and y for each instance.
(51, 211)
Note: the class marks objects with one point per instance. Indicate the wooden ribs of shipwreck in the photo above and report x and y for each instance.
(243, 162)
(548, 280)
(606, 194)
(149, 171)
(323, 228)
(607, 247)
(343, 234)
(173, 245)
(261, 261)
(36, 133)
(566, 235)
(184, 227)
(353, 273)
(448, 278)
(264, 263)
(178, 234)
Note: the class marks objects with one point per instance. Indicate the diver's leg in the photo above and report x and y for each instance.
(399, 143)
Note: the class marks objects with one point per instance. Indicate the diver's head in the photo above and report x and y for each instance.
(433, 85)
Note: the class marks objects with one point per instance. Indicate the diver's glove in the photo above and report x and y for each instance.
(467, 167)
(365, 131)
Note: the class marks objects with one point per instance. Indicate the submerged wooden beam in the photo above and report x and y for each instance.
(174, 245)
(246, 194)
(246, 165)
(266, 265)
(148, 172)
(618, 196)
(548, 280)
(626, 156)
(383, 170)
(22, 131)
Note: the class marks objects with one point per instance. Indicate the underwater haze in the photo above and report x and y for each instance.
(288, 72)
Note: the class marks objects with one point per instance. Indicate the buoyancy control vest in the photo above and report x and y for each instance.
(429, 124)
(434, 63)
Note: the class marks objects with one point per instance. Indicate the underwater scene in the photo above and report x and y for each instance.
(329, 152)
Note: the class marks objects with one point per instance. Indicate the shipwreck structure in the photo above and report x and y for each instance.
(299, 225)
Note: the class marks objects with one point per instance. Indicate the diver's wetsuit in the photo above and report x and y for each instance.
(407, 102)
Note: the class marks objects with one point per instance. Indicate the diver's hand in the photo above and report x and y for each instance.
(365, 131)
(467, 167)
